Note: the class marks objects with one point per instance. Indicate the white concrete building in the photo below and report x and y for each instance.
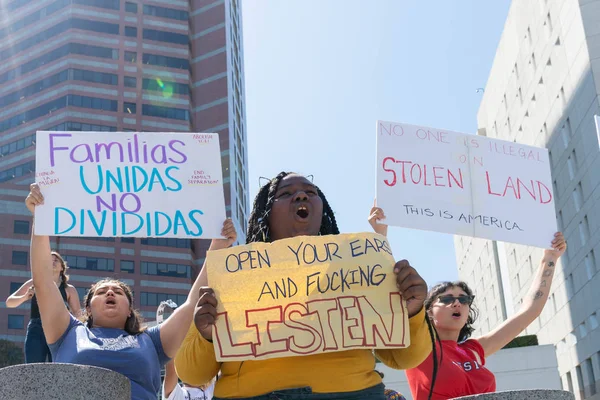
(543, 90)
(521, 368)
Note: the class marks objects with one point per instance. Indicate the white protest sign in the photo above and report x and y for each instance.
(129, 184)
(450, 182)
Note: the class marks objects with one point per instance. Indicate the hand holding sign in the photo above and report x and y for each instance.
(307, 295)
(375, 216)
(411, 286)
(205, 314)
(228, 232)
(34, 198)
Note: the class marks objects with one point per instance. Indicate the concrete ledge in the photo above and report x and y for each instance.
(522, 395)
(62, 381)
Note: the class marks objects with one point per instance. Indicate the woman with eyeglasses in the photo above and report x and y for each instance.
(456, 367)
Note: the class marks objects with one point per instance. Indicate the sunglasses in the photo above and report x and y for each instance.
(465, 300)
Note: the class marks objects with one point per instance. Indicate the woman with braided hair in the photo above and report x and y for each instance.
(287, 206)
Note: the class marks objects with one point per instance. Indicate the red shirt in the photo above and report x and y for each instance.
(459, 374)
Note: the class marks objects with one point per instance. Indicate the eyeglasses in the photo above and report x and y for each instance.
(465, 300)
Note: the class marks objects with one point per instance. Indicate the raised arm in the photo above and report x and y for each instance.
(55, 317)
(21, 295)
(533, 303)
(173, 330)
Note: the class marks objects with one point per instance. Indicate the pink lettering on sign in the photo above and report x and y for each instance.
(201, 178)
(203, 138)
(421, 174)
(515, 151)
(520, 189)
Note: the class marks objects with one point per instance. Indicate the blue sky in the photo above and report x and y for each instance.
(319, 73)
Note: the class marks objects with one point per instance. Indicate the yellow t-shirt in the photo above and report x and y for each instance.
(343, 371)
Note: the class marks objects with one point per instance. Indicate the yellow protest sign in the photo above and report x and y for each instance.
(306, 295)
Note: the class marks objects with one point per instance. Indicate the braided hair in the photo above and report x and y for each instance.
(258, 224)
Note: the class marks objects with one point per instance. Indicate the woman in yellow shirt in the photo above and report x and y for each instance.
(288, 206)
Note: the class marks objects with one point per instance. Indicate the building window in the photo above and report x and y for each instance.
(130, 108)
(580, 378)
(21, 227)
(165, 61)
(95, 103)
(130, 81)
(90, 263)
(19, 257)
(167, 37)
(572, 164)
(165, 112)
(18, 171)
(93, 76)
(108, 4)
(17, 145)
(164, 269)
(131, 31)
(127, 266)
(163, 12)
(158, 85)
(577, 200)
(154, 299)
(593, 320)
(83, 127)
(582, 330)
(14, 286)
(127, 240)
(565, 132)
(167, 242)
(569, 382)
(570, 286)
(131, 7)
(592, 378)
(16, 321)
(590, 264)
(584, 230)
(130, 56)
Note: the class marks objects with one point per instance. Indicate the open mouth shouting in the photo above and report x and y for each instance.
(456, 315)
(302, 213)
(111, 301)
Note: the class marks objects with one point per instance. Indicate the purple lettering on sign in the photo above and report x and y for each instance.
(138, 203)
(172, 147)
(53, 149)
(107, 150)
